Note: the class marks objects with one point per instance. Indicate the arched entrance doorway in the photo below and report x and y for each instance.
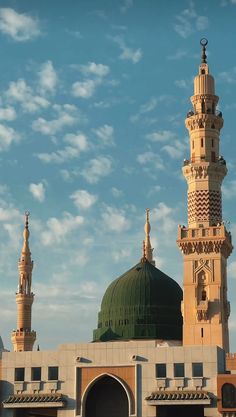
(107, 398)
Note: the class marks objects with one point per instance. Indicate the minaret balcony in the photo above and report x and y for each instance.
(200, 168)
(204, 121)
(24, 333)
(211, 239)
(218, 231)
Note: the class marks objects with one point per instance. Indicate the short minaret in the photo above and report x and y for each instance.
(147, 247)
(205, 242)
(23, 337)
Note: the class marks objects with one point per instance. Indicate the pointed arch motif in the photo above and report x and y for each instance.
(97, 379)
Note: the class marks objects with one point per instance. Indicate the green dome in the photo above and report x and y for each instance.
(144, 303)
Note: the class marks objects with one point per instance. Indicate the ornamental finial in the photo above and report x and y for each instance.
(27, 214)
(203, 43)
(147, 248)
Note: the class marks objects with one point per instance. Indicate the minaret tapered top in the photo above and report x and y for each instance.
(204, 82)
(25, 264)
(147, 247)
(25, 253)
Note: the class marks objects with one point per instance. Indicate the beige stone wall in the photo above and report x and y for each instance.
(123, 359)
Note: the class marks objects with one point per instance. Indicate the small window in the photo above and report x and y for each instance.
(197, 369)
(212, 143)
(53, 373)
(178, 370)
(193, 144)
(213, 156)
(202, 142)
(161, 370)
(19, 374)
(36, 374)
(201, 331)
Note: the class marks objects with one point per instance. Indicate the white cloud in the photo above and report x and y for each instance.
(77, 143)
(232, 270)
(76, 33)
(7, 136)
(66, 117)
(228, 76)
(84, 89)
(115, 220)
(188, 21)
(106, 135)
(38, 191)
(47, 77)
(121, 254)
(97, 168)
(57, 229)
(99, 70)
(176, 150)
(64, 172)
(149, 106)
(83, 199)
(201, 22)
(13, 234)
(18, 26)
(20, 92)
(3, 189)
(126, 6)
(127, 53)
(164, 216)
(229, 190)
(116, 192)
(161, 136)
(152, 159)
(183, 83)
(7, 113)
(179, 54)
(154, 189)
(8, 213)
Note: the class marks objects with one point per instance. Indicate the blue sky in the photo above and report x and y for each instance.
(93, 97)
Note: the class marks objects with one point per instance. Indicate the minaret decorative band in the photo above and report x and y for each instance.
(23, 337)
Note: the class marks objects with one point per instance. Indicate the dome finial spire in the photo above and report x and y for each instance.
(147, 247)
(27, 214)
(203, 43)
(26, 234)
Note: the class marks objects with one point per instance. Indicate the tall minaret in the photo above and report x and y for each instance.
(205, 242)
(23, 338)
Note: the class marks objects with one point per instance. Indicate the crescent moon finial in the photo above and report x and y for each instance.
(203, 43)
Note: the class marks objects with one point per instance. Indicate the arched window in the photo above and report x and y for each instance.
(107, 398)
(204, 295)
(228, 393)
